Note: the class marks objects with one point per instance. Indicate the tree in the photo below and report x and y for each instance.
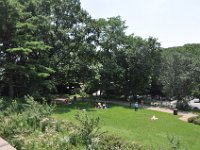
(23, 51)
(180, 73)
(48, 43)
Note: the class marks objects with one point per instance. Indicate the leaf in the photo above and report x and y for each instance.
(37, 46)
(20, 50)
(43, 75)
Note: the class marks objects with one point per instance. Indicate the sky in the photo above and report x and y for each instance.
(172, 22)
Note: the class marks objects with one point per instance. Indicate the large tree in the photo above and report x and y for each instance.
(180, 70)
(48, 43)
(44, 43)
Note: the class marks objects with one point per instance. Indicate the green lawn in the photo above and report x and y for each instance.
(137, 126)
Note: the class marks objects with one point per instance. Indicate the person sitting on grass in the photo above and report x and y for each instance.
(67, 101)
(104, 105)
(153, 118)
(95, 105)
(99, 105)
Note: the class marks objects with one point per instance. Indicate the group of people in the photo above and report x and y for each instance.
(101, 105)
(68, 101)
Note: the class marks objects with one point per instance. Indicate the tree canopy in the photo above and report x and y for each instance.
(45, 44)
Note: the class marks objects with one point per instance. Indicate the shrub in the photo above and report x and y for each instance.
(19, 118)
(87, 132)
(113, 142)
(191, 119)
(195, 120)
(173, 144)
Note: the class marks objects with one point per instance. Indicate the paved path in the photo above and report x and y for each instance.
(184, 115)
(5, 145)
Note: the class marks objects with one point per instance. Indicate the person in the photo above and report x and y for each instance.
(142, 103)
(96, 105)
(154, 117)
(104, 106)
(136, 106)
(129, 99)
(66, 101)
(99, 105)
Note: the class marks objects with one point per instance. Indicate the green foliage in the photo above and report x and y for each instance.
(180, 75)
(174, 145)
(20, 50)
(28, 126)
(195, 120)
(114, 142)
(40, 42)
(49, 43)
(88, 129)
(23, 118)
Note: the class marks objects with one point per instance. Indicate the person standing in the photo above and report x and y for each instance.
(142, 103)
(136, 106)
(130, 99)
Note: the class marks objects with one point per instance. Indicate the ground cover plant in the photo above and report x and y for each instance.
(137, 126)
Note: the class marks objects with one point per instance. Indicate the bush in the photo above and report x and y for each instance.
(113, 142)
(87, 132)
(191, 119)
(18, 118)
(195, 120)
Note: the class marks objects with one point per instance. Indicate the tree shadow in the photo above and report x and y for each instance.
(88, 106)
(79, 105)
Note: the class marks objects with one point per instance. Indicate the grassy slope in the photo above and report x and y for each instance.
(137, 126)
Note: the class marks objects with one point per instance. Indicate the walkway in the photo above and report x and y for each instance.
(5, 145)
(184, 115)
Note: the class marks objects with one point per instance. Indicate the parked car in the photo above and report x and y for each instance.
(173, 104)
(194, 104)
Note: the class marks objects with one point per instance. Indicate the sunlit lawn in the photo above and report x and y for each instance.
(137, 126)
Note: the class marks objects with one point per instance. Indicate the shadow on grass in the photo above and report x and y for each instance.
(80, 105)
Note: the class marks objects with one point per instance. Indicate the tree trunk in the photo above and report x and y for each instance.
(11, 86)
(100, 94)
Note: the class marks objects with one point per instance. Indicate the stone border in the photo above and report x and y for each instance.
(5, 145)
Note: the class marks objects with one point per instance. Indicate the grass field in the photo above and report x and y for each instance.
(137, 126)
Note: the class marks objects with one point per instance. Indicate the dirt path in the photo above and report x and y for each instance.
(184, 115)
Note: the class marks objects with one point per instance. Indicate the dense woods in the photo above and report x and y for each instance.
(45, 45)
